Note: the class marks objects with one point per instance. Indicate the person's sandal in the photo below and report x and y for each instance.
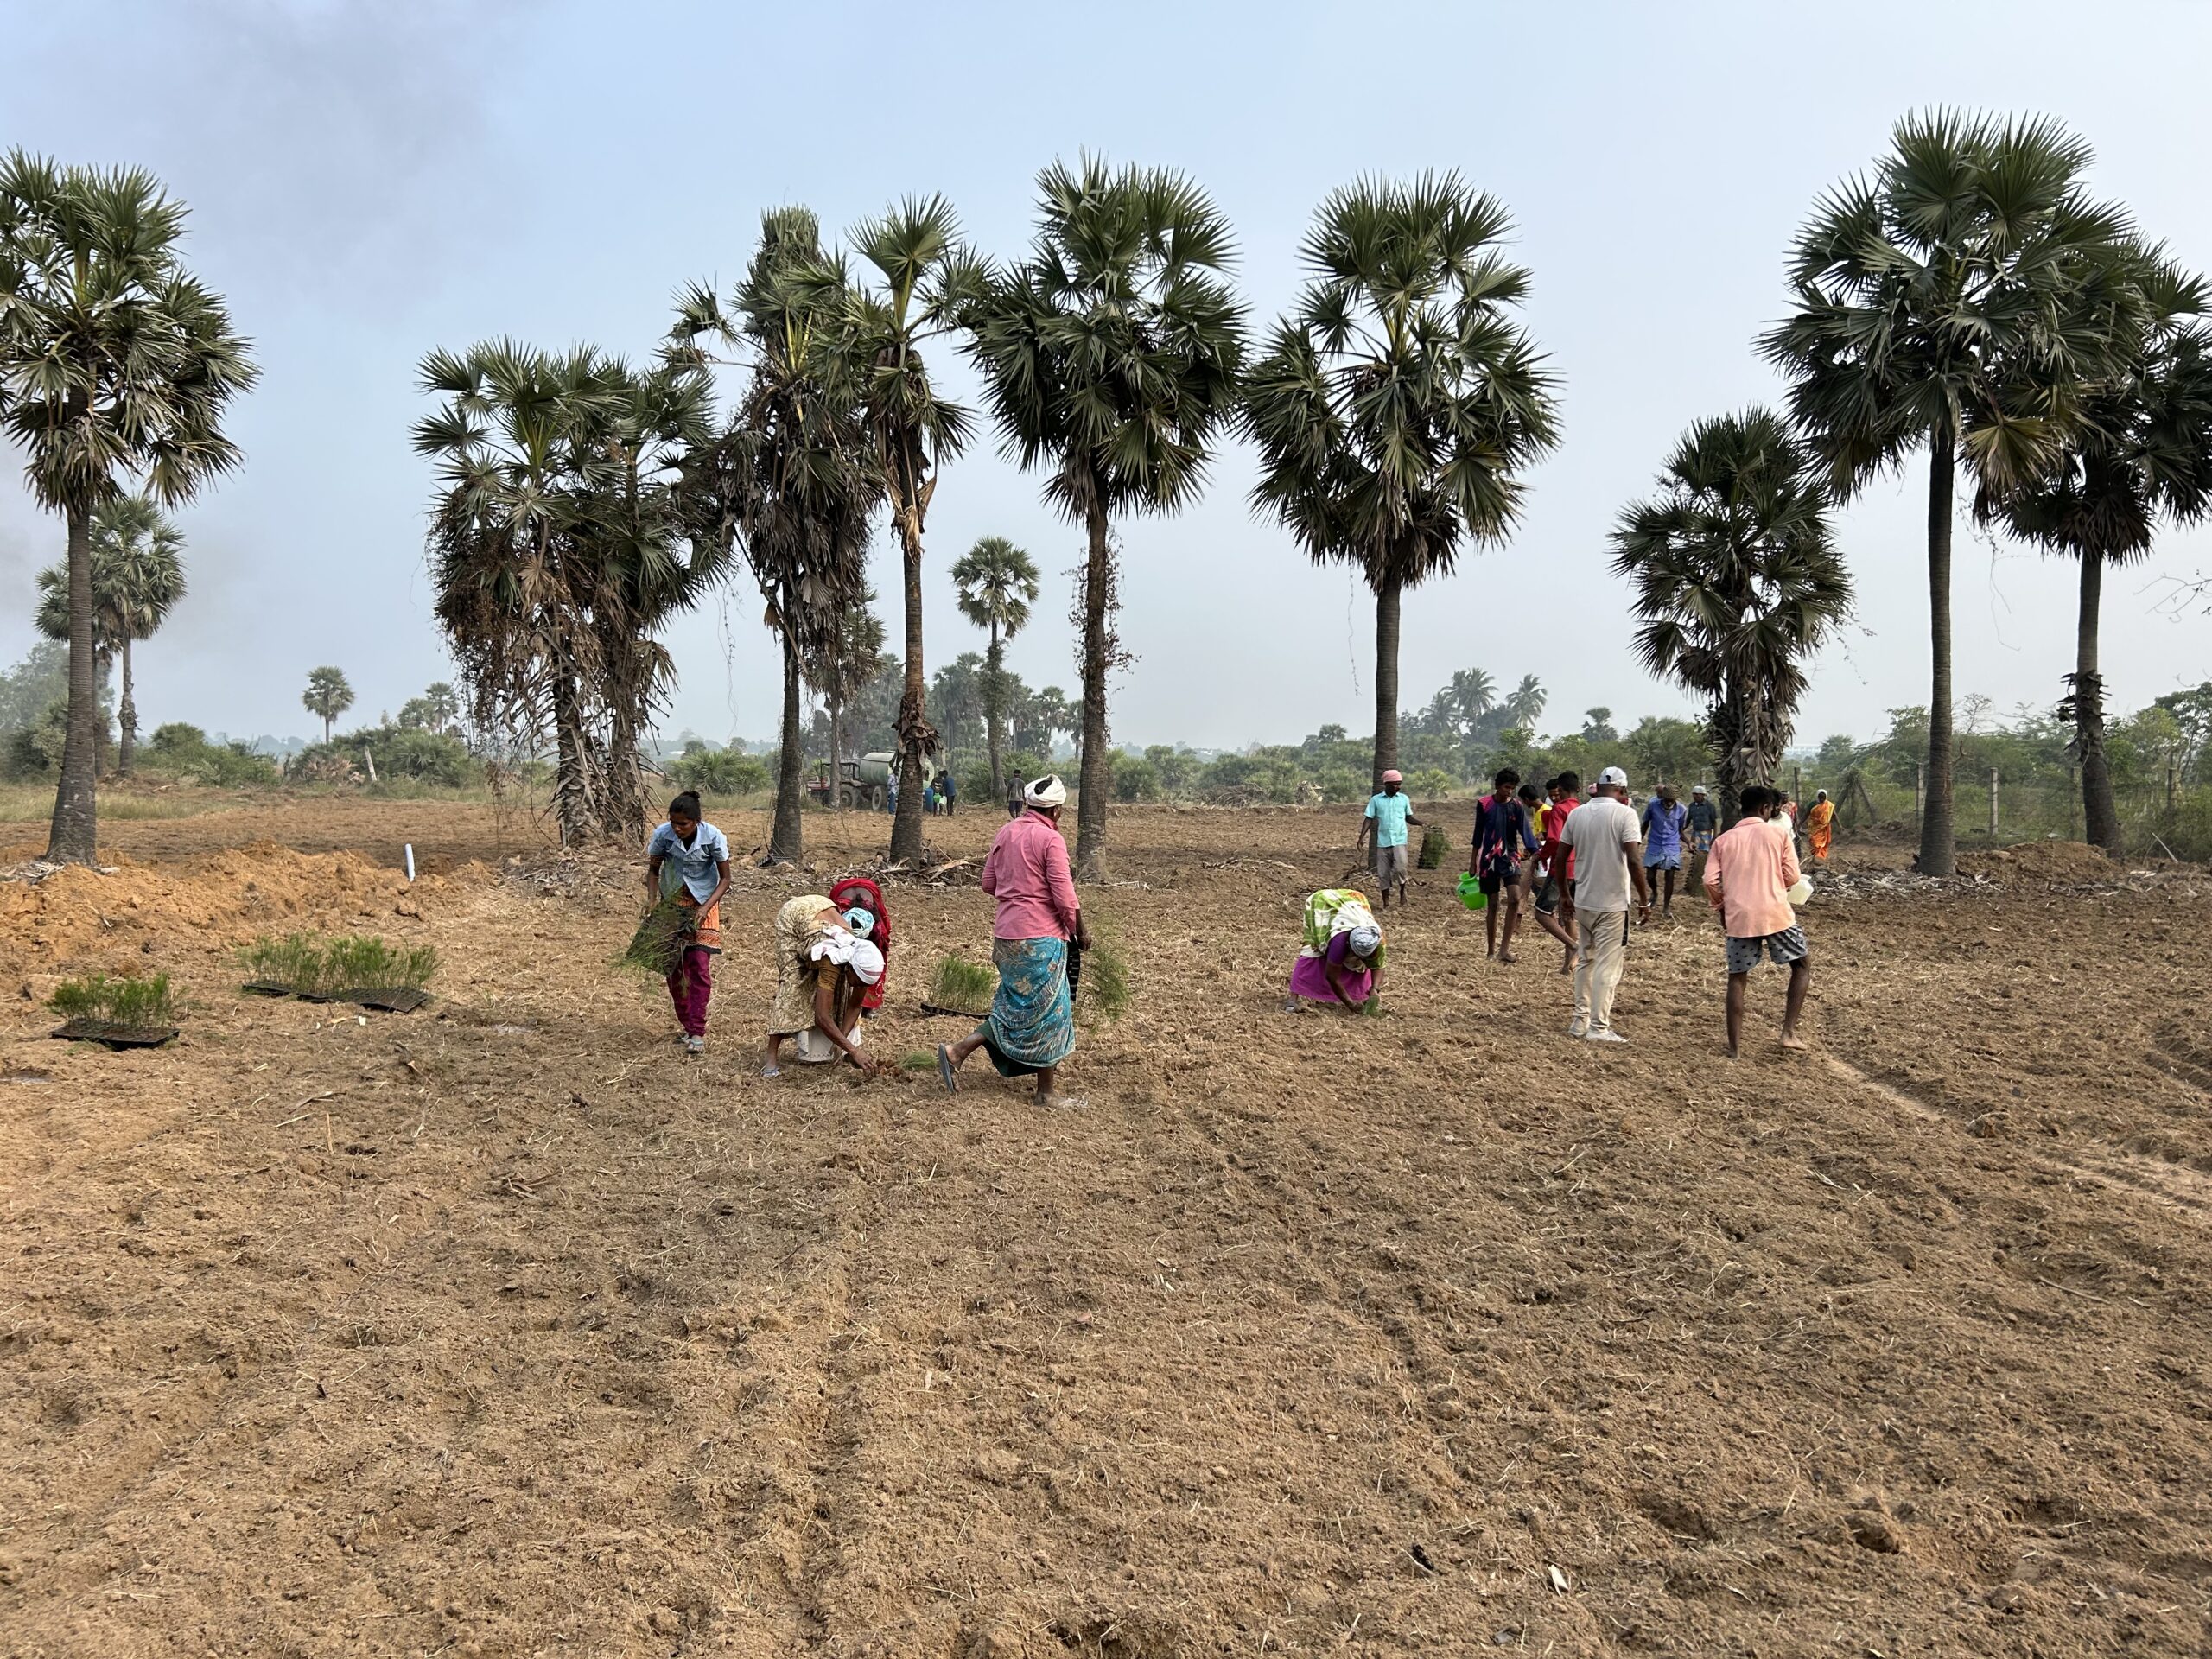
(945, 1069)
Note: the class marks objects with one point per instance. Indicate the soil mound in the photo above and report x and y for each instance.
(79, 917)
(2041, 861)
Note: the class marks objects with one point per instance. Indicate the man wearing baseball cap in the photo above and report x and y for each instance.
(1605, 840)
(1388, 812)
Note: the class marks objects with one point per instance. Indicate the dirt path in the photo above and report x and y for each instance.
(504, 1329)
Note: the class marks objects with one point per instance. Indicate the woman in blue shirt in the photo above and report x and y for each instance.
(689, 862)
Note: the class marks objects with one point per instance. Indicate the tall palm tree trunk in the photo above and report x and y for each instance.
(75, 828)
(1096, 772)
(126, 718)
(836, 746)
(994, 700)
(1387, 600)
(572, 791)
(913, 719)
(786, 831)
(1939, 852)
(2099, 810)
(625, 779)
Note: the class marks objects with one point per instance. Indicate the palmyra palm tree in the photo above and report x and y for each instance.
(1941, 301)
(115, 364)
(513, 576)
(793, 479)
(997, 583)
(919, 277)
(1737, 583)
(2141, 453)
(1112, 355)
(1399, 400)
(327, 696)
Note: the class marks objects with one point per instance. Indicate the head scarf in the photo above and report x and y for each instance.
(1394, 776)
(1048, 790)
(861, 922)
(1365, 940)
(866, 962)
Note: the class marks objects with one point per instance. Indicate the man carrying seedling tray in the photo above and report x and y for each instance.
(687, 865)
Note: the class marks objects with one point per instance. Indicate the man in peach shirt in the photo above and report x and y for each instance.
(1748, 876)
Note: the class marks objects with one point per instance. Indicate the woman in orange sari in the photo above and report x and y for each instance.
(1819, 826)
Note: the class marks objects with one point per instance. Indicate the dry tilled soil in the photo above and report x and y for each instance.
(504, 1328)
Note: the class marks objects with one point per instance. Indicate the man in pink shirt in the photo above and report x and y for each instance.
(1030, 1027)
(1748, 876)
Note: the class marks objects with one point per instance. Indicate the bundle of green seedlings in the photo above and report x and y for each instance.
(960, 985)
(1103, 992)
(97, 1002)
(658, 946)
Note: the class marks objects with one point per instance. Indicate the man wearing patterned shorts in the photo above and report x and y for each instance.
(1748, 877)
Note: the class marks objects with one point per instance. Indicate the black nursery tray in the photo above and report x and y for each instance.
(388, 999)
(95, 1031)
(266, 988)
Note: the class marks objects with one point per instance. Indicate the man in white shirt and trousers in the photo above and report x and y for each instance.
(1607, 843)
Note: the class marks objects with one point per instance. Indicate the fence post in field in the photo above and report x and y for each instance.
(1797, 784)
(2073, 805)
(1919, 792)
(1992, 803)
(2171, 779)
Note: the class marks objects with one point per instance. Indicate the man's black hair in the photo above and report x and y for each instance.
(1570, 782)
(1506, 777)
(685, 805)
(1754, 799)
(1530, 792)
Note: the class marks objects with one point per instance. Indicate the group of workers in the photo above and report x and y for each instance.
(1581, 865)
(832, 950)
(1576, 863)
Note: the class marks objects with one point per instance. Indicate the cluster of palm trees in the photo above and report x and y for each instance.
(558, 548)
(1968, 296)
(1395, 408)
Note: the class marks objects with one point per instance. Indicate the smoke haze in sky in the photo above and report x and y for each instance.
(369, 181)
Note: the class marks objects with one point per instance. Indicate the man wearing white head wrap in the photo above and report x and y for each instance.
(1031, 1026)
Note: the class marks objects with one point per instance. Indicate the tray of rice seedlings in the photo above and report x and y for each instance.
(287, 967)
(118, 1012)
(960, 987)
(367, 971)
(657, 946)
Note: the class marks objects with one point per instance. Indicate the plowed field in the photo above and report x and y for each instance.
(504, 1328)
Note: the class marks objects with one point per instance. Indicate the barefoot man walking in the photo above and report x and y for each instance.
(1031, 1026)
(1748, 878)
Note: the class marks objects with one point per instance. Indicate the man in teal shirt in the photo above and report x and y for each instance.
(1387, 815)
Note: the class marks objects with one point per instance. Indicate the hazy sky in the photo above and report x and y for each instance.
(369, 181)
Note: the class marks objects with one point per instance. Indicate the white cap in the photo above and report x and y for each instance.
(1612, 777)
(1048, 790)
(866, 962)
